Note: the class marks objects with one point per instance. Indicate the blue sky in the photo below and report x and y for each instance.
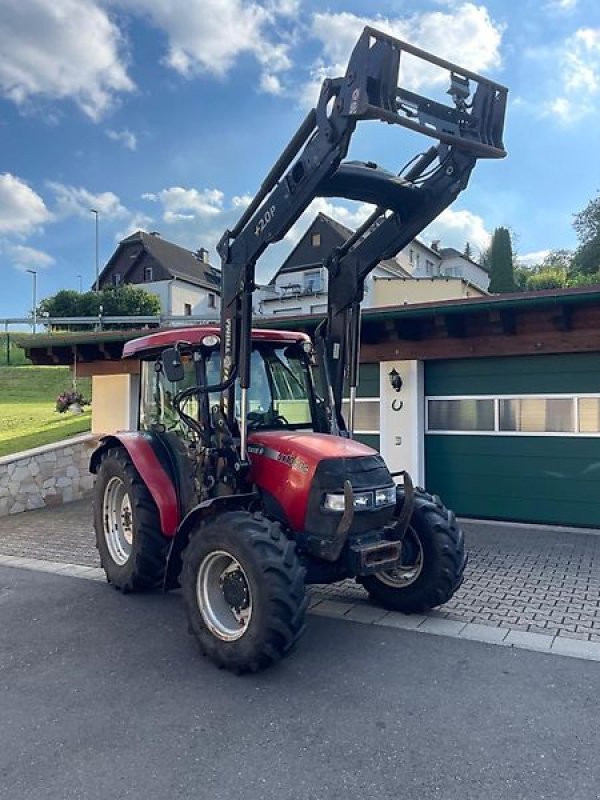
(166, 114)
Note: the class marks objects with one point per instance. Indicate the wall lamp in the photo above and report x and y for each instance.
(395, 380)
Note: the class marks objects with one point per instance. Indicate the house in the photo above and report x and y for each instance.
(417, 274)
(422, 261)
(184, 282)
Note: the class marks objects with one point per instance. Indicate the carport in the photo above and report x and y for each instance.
(496, 409)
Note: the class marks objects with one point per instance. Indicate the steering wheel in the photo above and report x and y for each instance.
(258, 419)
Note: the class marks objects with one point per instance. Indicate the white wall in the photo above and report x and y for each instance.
(174, 294)
(402, 419)
(182, 293)
(460, 267)
(116, 403)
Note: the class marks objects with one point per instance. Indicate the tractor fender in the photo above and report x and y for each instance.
(204, 510)
(142, 451)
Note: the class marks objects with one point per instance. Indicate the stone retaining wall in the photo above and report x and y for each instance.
(46, 476)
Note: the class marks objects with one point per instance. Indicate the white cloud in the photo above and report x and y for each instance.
(464, 34)
(124, 137)
(579, 61)
(208, 36)
(181, 204)
(63, 49)
(561, 5)
(241, 201)
(350, 216)
(22, 210)
(23, 258)
(456, 228)
(77, 201)
(137, 221)
(533, 258)
(270, 84)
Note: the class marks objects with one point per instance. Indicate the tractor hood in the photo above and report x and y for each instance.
(293, 468)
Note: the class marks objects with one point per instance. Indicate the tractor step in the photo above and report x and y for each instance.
(365, 559)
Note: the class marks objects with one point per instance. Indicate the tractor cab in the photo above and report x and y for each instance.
(281, 395)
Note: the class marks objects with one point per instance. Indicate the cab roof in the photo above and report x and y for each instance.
(158, 341)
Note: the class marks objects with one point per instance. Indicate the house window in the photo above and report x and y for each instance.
(464, 414)
(315, 240)
(411, 256)
(116, 279)
(212, 300)
(418, 259)
(187, 309)
(528, 415)
(148, 274)
(313, 282)
(429, 267)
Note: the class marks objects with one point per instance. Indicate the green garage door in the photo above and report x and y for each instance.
(516, 438)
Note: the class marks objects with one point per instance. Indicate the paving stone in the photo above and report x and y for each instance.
(366, 613)
(483, 633)
(578, 649)
(529, 641)
(393, 619)
(444, 627)
(332, 608)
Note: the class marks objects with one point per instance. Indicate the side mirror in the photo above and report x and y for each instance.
(172, 365)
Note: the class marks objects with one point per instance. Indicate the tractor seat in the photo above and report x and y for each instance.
(368, 183)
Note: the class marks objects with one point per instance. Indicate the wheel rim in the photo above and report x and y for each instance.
(224, 595)
(411, 566)
(118, 521)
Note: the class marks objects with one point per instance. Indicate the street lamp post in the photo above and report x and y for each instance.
(97, 284)
(79, 282)
(33, 272)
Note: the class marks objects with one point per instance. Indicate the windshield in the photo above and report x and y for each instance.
(279, 395)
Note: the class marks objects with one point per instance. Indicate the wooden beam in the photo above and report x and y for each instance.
(578, 341)
(127, 366)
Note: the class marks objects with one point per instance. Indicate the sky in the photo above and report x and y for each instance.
(165, 115)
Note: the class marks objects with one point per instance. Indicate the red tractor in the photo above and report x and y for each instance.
(243, 482)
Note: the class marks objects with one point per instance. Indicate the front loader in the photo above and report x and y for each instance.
(243, 482)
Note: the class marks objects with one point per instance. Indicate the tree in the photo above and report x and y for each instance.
(500, 262)
(587, 227)
(468, 251)
(121, 301)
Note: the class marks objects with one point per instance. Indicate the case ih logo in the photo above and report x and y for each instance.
(293, 461)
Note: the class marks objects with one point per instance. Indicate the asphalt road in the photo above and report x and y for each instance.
(106, 696)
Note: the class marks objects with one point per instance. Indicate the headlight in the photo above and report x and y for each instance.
(362, 500)
(385, 497)
(336, 502)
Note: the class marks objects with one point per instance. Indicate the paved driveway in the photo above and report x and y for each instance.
(519, 579)
(105, 696)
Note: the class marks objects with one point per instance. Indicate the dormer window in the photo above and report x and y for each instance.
(315, 239)
(148, 274)
(116, 279)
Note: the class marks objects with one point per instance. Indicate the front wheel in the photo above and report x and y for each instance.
(243, 587)
(432, 563)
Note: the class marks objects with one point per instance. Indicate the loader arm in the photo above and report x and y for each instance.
(311, 165)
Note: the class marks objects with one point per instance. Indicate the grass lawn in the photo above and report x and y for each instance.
(27, 407)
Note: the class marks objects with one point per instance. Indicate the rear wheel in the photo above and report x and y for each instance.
(132, 547)
(243, 587)
(433, 561)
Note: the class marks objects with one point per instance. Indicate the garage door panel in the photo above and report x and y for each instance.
(578, 372)
(553, 511)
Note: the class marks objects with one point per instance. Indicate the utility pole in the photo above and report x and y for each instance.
(97, 284)
(79, 282)
(33, 272)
